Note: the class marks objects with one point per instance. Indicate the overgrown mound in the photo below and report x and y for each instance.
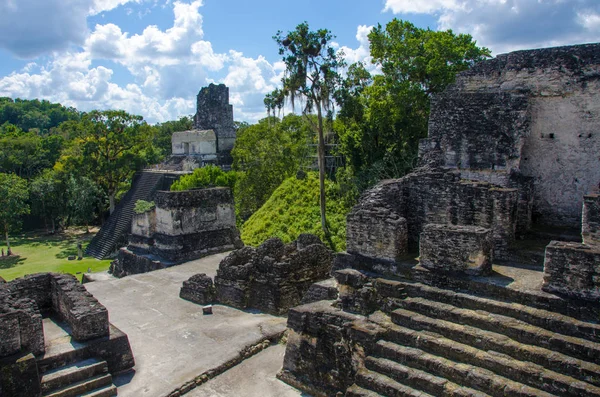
(293, 209)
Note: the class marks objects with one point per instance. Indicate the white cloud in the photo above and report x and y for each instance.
(507, 25)
(420, 6)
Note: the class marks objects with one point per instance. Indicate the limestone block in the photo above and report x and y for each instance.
(376, 233)
(452, 248)
(198, 289)
(572, 269)
(590, 225)
(273, 277)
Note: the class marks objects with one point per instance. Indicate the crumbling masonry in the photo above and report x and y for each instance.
(511, 161)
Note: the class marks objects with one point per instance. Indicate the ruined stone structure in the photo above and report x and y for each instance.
(183, 226)
(512, 145)
(271, 278)
(213, 136)
(198, 289)
(28, 368)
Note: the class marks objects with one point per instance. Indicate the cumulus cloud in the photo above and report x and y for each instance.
(507, 25)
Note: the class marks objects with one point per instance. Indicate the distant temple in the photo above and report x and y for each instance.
(213, 136)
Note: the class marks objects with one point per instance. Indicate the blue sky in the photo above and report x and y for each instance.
(151, 57)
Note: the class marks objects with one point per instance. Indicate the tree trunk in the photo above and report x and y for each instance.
(111, 201)
(321, 154)
(53, 226)
(8, 251)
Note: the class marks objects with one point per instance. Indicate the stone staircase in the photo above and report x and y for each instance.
(87, 377)
(442, 343)
(119, 223)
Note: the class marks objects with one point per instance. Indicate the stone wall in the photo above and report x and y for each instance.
(183, 226)
(430, 196)
(450, 248)
(590, 228)
(23, 300)
(273, 277)
(480, 130)
(201, 143)
(558, 146)
(215, 113)
(572, 269)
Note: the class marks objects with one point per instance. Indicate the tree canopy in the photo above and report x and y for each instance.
(312, 65)
(13, 204)
(383, 117)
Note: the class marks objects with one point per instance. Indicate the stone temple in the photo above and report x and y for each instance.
(213, 136)
(502, 217)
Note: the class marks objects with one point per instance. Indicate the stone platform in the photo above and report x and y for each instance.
(172, 341)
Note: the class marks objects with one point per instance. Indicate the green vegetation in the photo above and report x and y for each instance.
(311, 72)
(383, 117)
(265, 154)
(142, 206)
(209, 176)
(13, 196)
(294, 209)
(35, 253)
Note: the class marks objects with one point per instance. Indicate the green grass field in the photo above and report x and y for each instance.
(40, 252)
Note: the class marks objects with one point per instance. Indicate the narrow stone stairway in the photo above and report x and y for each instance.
(118, 224)
(443, 343)
(88, 378)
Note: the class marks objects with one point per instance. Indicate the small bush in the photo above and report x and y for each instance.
(142, 206)
(209, 176)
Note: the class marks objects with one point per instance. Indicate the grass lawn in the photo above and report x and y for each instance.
(40, 252)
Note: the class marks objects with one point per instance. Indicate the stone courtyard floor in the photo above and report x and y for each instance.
(173, 342)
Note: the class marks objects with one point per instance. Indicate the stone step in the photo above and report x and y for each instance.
(420, 380)
(81, 387)
(60, 377)
(526, 373)
(516, 329)
(385, 385)
(539, 317)
(105, 391)
(487, 340)
(460, 373)
(357, 391)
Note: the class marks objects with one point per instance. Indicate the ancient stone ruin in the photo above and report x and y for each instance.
(451, 285)
(182, 226)
(271, 278)
(213, 136)
(55, 337)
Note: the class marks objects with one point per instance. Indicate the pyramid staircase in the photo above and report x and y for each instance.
(87, 377)
(443, 343)
(117, 226)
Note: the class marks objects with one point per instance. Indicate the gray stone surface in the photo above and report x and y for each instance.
(450, 248)
(572, 269)
(590, 222)
(254, 377)
(171, 339)
(273, 277)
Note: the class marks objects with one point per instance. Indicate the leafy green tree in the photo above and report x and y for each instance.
(85, 199)
(311, 73)
(265, 154)
(48, 193)
(109, 147)
(164, 131)
(383, 117)
(13, 204)
(209, 176)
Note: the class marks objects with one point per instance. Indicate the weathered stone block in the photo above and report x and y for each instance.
(452, 248)
(322, 290)
(590, 225)
(572, 269)
(198, 289)
(19, 376)
(377, 233)
(273, 277)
